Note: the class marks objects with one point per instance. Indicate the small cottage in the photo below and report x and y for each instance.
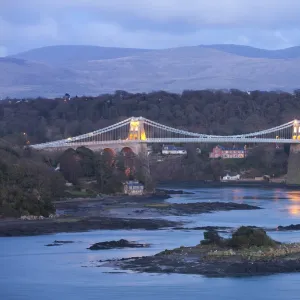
(231, 178)
(133, 188)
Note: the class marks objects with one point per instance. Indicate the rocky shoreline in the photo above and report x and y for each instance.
(250, 252)
(114, 212)
(231, 267)
(180, 209)
(31, 228)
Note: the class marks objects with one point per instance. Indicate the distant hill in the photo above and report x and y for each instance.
(22, 78)
(247, 51)
(67, 55)
(54, 71)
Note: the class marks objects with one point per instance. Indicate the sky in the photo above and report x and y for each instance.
(155, 24)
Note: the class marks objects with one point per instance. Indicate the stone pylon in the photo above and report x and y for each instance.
(293, 174)
(137, 130)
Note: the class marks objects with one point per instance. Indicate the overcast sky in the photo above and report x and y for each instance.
(27, 24)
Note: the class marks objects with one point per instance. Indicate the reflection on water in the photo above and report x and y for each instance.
(293, 196)
(280, 207)
(237, 195)
(294, 210)
(29, 270)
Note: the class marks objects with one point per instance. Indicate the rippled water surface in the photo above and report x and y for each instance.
(29, 270)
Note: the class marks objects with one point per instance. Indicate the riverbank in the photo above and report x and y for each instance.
(114, 212)
(239, 183)
(69, 224)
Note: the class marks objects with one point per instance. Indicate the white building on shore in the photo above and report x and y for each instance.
(231, 178)
(171, 149)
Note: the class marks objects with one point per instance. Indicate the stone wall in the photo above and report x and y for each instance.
(293, 174)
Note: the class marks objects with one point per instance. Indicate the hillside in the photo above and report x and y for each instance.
(247, 51)
(68, 54)
(21, 78)
(81, 70)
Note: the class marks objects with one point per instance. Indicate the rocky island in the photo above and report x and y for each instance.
(249, 252)
(117, 245)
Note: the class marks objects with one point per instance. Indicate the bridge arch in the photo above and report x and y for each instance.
(127, 151)
(109, 151)
(129, 159)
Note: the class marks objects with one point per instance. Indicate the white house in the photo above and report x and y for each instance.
(171, 149)
(133, 188)
(231, 178)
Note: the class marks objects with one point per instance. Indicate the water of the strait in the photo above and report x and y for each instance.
(29, 270)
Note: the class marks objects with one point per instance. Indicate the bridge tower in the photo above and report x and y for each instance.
(296, 130)
(293, 174)
(137, 133)
(137, 130)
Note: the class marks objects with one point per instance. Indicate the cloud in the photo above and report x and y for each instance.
(199, 12)
(148, 23)
(3, 51)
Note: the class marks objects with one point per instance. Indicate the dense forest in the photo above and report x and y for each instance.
(215, 112)
(29, 121)
(29, 183)
(101, 172)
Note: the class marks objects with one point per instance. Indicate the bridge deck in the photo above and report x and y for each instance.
(136, 131)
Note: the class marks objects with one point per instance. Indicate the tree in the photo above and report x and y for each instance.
(104, 173)
(87, 161)
(27, 185)
(70, 166)
(217, 169)
(142, 171)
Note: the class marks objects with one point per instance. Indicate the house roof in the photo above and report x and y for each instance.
(231, 148)
(134, 183)
(172, 147)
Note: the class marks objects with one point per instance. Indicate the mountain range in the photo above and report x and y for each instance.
(92, 70)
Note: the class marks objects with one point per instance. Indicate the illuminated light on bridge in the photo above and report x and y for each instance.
(296, 130)
(137, 130)
(134, 132)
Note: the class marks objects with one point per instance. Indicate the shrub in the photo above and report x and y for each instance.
(211, 237)
(246, 237)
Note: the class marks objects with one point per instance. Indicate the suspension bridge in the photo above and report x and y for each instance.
(136, 132)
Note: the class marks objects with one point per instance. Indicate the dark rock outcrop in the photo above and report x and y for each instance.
(173, 192)
(289, 227)
(25, 228)
(116, 245)
(179, 209)
(59, 243)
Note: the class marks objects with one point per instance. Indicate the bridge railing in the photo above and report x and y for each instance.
(158, 133)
